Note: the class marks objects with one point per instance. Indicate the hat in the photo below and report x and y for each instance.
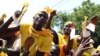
(47, 9)
(68, 23)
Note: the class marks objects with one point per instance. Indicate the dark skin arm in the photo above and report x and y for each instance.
(18, 15)
(4, 26)
(48, 26)
(10, 31)
(50, 19)
(68, 47)
(28, 43)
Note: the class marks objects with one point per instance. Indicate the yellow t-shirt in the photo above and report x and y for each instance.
(3, 54)
(75, 43)
(43, 39)
(62, 41)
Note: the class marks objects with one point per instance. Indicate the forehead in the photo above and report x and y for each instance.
(42, 14)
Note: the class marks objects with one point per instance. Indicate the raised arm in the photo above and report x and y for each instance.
(52, 14)
(8, 31)
(5, 25)
(17, 15)
(83, 46)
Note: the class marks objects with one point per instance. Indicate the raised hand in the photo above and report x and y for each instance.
(3, 16)
(17, 14)
(94, 19)
(84, 45)
(92, 25)
(53, 13)
(25, 4)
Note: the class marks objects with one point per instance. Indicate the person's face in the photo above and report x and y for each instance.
(40, 20)
(67, 30)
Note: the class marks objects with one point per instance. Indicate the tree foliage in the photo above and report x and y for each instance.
(86, 9)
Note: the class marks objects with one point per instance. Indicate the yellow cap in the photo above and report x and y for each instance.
(68, 23)
(47, 9)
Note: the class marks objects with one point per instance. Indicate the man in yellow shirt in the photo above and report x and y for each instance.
(64, 40)
(34, 38)
(60, 40)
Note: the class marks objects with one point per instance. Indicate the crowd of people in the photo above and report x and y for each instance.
(39, 39)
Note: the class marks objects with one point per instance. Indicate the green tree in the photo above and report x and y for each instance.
(86, 9)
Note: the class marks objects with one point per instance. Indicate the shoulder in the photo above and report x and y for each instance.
(59, 34)
(25, 28)
(46, 32)
(25, 25)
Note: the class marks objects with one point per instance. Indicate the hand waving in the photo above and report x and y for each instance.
(84, 45)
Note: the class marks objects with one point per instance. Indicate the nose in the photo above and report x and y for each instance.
(40, 18)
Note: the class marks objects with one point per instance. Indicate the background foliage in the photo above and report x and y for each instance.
(86, 9)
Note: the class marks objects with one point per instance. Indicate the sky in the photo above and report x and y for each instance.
(10, 6)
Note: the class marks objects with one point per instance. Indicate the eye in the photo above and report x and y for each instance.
(66, 26)
(41, 17)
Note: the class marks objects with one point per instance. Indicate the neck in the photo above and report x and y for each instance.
(38, 29)
(66, 36)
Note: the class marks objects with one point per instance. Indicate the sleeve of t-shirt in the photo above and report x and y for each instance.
(25, 30)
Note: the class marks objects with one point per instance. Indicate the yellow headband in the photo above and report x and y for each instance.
(67, 23)
(47, 9)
